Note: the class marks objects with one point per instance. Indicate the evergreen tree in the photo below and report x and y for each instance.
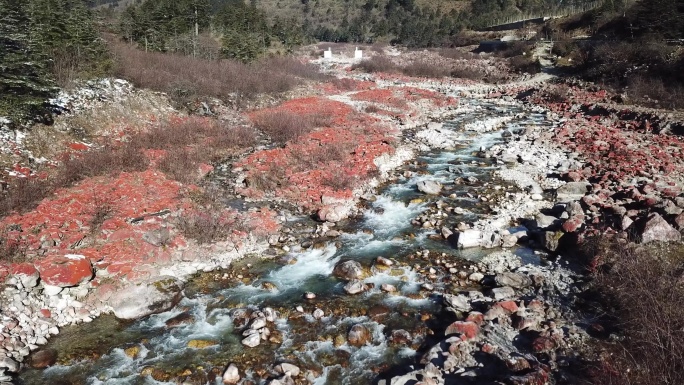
(25, 83)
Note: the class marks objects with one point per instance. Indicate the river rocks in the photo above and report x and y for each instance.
(457, 302)
(231, 376)
(287, 369)
(514, 280)
(429, 187)
(388, 288)
(183, 318)
(9, 364)
(469, 330)
(358, 335)
(349, 270)
(252, 340)
(43, 358)
(201, 344)
(65, 271)
(657, 229)
(468, 238)
(572, 191)
(333, 213)
(502, 293)
(149, 297)
(26, 273)
(355, 287)
(318, 313)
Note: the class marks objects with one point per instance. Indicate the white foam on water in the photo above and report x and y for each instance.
(394, 216)
(309, 264)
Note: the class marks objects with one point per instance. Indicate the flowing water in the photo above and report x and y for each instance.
(148, 351)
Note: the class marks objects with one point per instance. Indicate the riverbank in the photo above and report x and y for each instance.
(373, 124)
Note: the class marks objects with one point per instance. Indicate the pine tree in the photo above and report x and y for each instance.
(25, 83)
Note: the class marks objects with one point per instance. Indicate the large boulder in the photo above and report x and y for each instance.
(430, 187)
(514, 280)
(349, 270)
(25, 273)
(467, 238)
(65, 270)
(657, 229)
(149, 297)
(333, 213)
(572, 191)
(359, 335)
(232, 375)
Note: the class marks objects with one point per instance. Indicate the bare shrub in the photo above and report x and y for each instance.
(467, 73)
(525, 64)
(463, 39)
(109, 159)
(371, 109)
(181, 164)
(643, 289)
(377, 63)
(206, 227)
(283, 126)
(341, 181)
(655, 93)
(423, 68)
(12, 250)
(23, 193)
(185, 77)
(455, 53)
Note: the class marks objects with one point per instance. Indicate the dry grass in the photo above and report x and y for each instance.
(11, 249)
(643, 290)
(284, 126)
(377, 63)
(425, 69)
(188, 142)
(185, 78)
(206, 227)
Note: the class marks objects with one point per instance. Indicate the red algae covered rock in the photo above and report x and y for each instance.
(65, 271)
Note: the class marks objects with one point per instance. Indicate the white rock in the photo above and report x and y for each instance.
(51, 290)
(252, 340)
(232, 375)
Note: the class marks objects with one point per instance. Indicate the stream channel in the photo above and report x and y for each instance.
(215, 309)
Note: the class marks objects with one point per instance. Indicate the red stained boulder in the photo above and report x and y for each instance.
(26, 273)
(469, 330)
(65, 271)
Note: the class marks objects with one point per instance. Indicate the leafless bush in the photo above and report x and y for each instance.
(655, 93)
(109, 159)
(525, 64)
(464, 39)
(206, 227)
(467, 73)
(341, 181)
(12, 250)
(643, 289)
(423, 68)
(185, 77)
(377, 63)
(372, 109)
(23, 193)
(283, 126)
(181, 164)
(455, 53)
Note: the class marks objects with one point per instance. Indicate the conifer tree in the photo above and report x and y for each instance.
(25, 83)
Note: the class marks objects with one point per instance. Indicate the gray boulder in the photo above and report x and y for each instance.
(572, 191)
(149, 297)
(430, 187)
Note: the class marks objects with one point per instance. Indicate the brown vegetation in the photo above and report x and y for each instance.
(188, 142)
(642, 289)
(283, 126)
(185, 78)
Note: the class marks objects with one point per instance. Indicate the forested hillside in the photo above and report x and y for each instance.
(44, 43)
